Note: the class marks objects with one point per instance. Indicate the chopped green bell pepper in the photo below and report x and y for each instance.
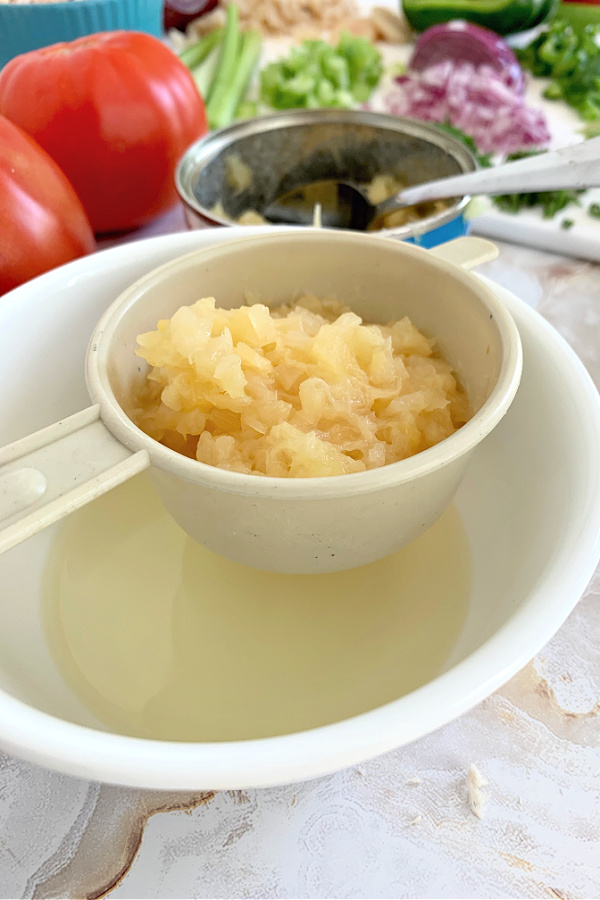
(570, 57)
(316, 75)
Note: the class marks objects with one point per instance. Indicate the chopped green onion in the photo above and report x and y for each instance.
(204, 75)
(226, 67)
(224, 113)
(196, 54)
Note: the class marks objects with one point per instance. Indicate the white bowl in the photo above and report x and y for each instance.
(530, 504)
(295, 525)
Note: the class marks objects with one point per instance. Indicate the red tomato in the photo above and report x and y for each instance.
(42, 221)
(116, 111)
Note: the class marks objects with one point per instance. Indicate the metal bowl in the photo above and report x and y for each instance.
(287, 149)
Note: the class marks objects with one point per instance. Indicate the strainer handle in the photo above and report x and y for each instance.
(51, 473)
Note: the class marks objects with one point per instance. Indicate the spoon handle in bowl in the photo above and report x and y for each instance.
(572, 168)
(53, 472)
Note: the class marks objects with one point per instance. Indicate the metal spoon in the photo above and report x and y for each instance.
(345, 204)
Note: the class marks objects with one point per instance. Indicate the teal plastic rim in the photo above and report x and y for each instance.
(29, 26)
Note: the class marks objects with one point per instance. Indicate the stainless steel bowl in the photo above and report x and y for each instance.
(287, 149)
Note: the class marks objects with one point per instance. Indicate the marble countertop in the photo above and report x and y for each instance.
(397, 826)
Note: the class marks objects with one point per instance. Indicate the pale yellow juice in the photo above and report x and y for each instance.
(162, 639)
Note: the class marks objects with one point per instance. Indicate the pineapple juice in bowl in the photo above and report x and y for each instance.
(163, 640)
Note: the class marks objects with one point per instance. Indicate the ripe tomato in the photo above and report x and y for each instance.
(42, 221)
(116, 111)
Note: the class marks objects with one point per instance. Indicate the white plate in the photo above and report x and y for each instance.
(530, 505)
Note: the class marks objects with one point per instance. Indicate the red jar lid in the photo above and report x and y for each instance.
(178, 13)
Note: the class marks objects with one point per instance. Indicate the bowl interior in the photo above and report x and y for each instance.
(283, 157)
(380, 280)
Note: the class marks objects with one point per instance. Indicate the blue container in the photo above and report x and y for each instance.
(285, 150)
(456, 227)
(29, 26)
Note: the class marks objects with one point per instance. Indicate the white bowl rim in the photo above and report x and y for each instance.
(423, 463)
(90, 753)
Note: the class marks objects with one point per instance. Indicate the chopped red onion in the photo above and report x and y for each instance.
(477, 100)
(461, 41)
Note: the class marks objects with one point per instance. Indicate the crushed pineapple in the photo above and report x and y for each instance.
(298, 391)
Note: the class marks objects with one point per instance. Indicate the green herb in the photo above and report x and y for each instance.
(592, 129)
(570, 57)
(550, 202)
(594, 210)
(484, 159)
(566, 224)
(315, 74)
